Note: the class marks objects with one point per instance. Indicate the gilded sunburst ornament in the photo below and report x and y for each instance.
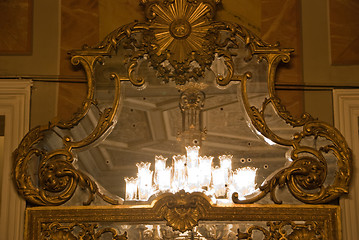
(180, 27)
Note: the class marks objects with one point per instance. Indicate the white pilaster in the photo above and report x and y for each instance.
(15, 105)
(346, 119)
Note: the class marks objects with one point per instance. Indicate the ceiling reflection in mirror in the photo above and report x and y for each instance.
(150, 122)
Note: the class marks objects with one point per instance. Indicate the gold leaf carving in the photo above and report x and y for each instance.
(74, 231)
(181, 40)
(308, 169)
(57, 177)
(279, 230)
(182, 210)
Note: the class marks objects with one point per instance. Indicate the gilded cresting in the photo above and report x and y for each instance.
(181, 40)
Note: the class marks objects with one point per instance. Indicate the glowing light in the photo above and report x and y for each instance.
(160, 162)
(180, 175)
(193, 173)
(226, 164)
(131, 188)
(192, 156)
(164, 179)
(144, 180)
(219, 182)
(192, 167)
(162, 174)
(205, 171)
(244, 181)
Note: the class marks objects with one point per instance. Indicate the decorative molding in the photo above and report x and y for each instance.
(182, 210)
(279, 230)
(58, 179)
(303, 219)
(75, 231)
(15, 105)
(346, 119)
(19, 37)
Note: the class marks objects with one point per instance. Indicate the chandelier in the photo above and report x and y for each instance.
(191, 172)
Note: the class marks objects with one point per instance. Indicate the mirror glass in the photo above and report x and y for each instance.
(150, 122)
(162, 119)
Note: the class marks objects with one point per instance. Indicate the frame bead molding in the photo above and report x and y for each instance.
(181, 211)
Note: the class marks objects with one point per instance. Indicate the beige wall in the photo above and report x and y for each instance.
(318, 69)
(42, 63)
(44, 57)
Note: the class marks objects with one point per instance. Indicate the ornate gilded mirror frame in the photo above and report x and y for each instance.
(181, 40)
(183, 211)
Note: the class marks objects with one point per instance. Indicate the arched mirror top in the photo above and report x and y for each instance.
(182, 86)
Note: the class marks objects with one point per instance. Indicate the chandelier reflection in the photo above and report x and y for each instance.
(191, 172)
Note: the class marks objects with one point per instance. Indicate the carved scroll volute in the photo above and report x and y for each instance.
(74, 231)
(182, 210)
(57, 177)
(306, 174)
(279, 230)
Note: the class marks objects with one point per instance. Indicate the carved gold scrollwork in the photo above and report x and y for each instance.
(255, 221)
(278, 230)
(57, 177)
(224, 80)
(88, 65)
(179, 28)
(75, 231)
(308, 169)
(182, 210)
(180, 40)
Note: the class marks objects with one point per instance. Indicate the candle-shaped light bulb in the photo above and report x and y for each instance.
(205, 170)
(219, 181)
(192, 168)
(160, 166)
(192, 156)
(226, 164)
(144, 180)
(160, 162)
(164, 179)
(179, 173)
(244, 181)
(131, 188)
(226, 161)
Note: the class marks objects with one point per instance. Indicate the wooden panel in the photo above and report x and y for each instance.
(344, 31)
(281, 21)
(79, 26)
(71, 96)
(16, 27)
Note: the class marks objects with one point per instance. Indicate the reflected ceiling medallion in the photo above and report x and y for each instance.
(180, 26)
